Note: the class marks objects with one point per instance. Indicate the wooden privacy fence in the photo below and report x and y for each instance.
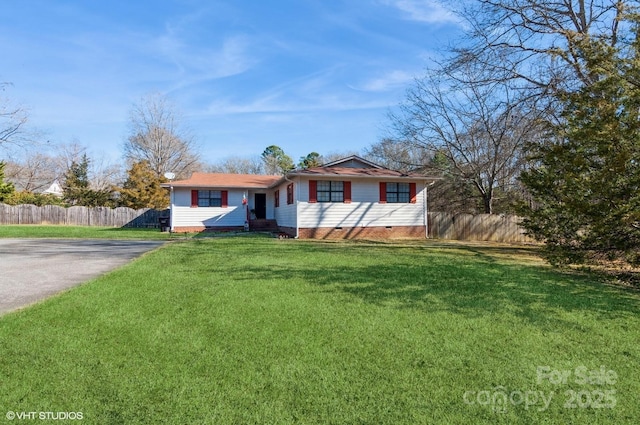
(465, 227)
(80, 216)
(482, 227)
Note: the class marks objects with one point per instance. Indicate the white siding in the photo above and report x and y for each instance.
(286, 215)
(365, 209)
(270, 207)
(186, 216)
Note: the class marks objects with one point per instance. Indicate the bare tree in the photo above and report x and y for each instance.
(238, 165)
(471, 132)
(158, 136)
(536, 43)
(397, 156)
(12, 121)
(35, 170)
(34, 173)
(67, 154)
(102, 173)
(502, 88)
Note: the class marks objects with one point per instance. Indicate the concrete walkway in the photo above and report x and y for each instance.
(34, 269)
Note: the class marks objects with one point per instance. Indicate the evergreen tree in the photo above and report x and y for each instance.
(585, 181)
(6, 188)
(76, 182)
(311, 160)
(276, 161)
(142, 188)
(39, 199)
(76, 188)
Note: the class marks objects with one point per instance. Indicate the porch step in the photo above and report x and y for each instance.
(263, 225)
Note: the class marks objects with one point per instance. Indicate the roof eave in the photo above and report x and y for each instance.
(405, 177)
(217, 186)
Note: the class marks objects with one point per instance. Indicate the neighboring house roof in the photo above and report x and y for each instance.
(54, 189)
(352, 166)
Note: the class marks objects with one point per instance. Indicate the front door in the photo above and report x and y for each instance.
(260, 205)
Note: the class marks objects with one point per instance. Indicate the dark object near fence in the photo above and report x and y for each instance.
(164, 224)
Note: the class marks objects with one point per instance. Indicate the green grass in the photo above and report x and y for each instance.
(264, 331)
(83, 232)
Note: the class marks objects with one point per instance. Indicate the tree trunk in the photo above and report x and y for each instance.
(487, 199)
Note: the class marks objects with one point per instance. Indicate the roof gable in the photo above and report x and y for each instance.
(355, 166)
(54, 189)
(352, 161)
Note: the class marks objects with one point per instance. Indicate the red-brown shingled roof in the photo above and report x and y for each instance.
(244, 181)
(355, 172)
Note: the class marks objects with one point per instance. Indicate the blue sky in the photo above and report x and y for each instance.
(306, 75)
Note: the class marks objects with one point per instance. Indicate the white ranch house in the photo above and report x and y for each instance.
(345, 199)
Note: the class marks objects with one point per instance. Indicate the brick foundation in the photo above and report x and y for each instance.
(394, 232)
(291, 231)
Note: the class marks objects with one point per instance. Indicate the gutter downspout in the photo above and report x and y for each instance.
(171, 212)
(297, 197)
(426, 210)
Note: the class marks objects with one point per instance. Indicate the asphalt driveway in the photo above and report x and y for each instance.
(34, 269)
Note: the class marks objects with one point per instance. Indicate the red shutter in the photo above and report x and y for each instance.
(412, 192)
(194, 199)
(290, 194)
(225, 198)
(383, 193)
(313, 191)
(346, 186)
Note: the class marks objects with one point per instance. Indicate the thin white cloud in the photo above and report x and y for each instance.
(231, 57)
(319, 91)
(428, 11)
(223, 54)
(273, 104)
(390, 81)
(283, 104)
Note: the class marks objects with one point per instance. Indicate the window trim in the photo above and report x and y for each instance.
(195, 198)
(384, 199)
(212, 201)
(330, 192)
(313, 191)
(396, 194)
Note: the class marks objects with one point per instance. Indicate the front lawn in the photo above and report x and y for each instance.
(252, 330)
(82, 232)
